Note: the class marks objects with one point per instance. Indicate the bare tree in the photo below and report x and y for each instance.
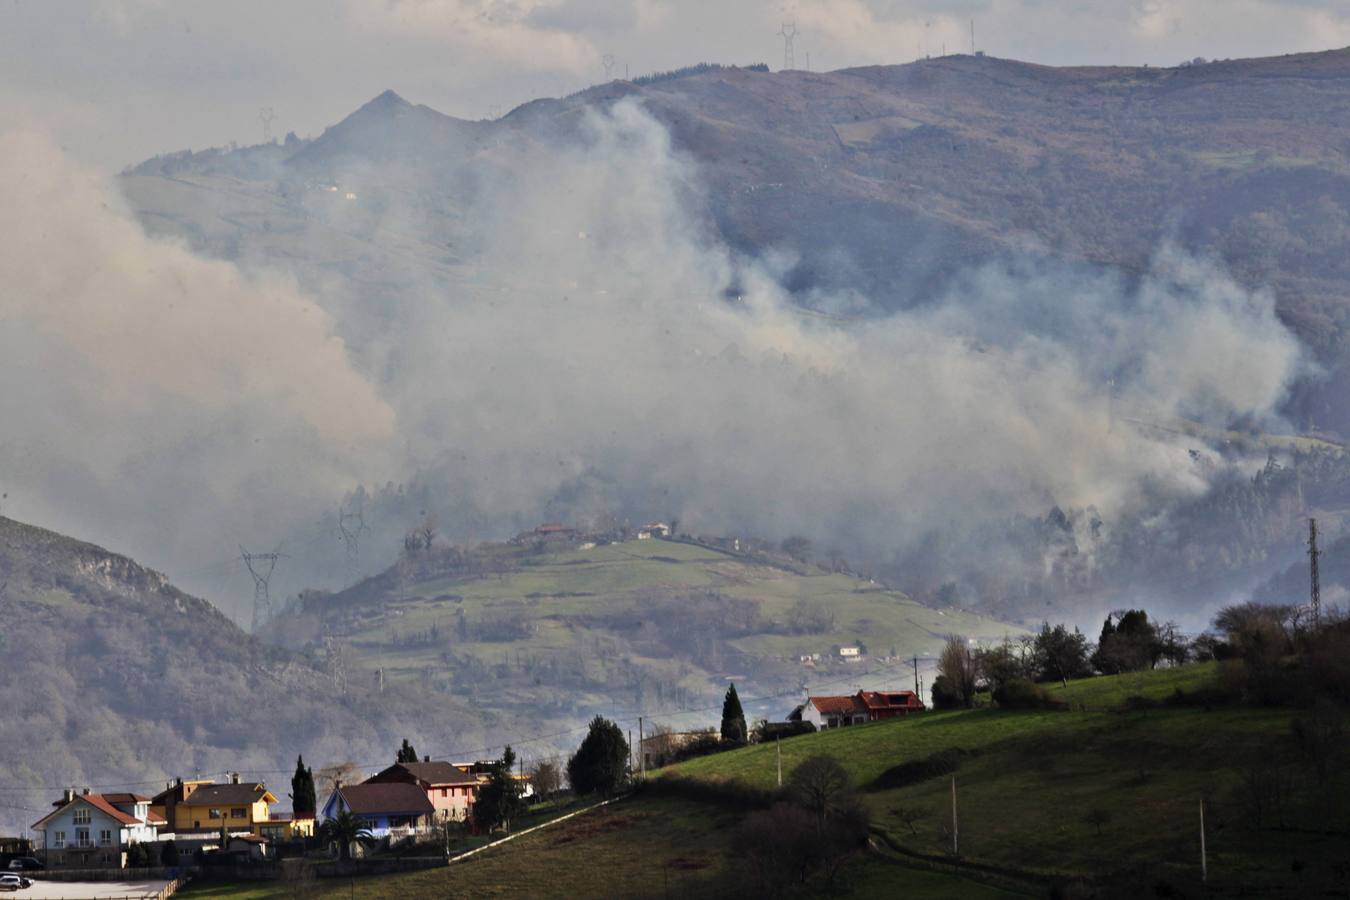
(546, 776)
(333, 774)
(957, 664)
(821, 785)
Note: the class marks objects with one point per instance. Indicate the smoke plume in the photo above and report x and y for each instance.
(602, 355)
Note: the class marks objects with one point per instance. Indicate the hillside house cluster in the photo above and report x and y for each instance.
(88, 830)
(856, 709)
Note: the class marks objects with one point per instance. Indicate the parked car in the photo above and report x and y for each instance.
(25, 864)
(11, 882)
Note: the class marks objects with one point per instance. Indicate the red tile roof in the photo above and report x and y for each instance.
(890, 699)
(98, 802)
(838, 706)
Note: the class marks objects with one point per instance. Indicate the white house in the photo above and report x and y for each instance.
(830, 712)
(850, 654)
(89, 831)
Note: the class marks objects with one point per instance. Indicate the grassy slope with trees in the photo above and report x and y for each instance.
(655, 623)
(1111, 792)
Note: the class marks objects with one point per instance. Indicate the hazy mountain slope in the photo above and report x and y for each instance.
(885, 180)
(112, 676)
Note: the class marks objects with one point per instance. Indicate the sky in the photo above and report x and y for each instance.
(117, 81)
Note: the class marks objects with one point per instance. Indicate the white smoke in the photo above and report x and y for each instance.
(603, 354)
(155, 401)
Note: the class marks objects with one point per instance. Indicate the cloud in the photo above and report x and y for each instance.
(154, 400)
(514, 33)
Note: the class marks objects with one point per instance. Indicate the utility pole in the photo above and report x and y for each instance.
(642, 757)
(972, 37)
(788, 31)
(265, 115)
(608, 62)
(1313, 553)
(778, 744)
(1204, 863)
(916, 674)
(956, 844)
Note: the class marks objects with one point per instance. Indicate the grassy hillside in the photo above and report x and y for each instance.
(1103, 804)
(1111, 794)
(656, 624)
(647, 847)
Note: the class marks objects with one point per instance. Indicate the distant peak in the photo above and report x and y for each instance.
(387, 100)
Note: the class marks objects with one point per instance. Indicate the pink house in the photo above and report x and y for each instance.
(450, 789)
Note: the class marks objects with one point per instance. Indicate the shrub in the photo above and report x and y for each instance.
(944, 762)
(1019, 693)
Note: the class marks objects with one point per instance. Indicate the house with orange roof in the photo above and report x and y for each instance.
(93, 831)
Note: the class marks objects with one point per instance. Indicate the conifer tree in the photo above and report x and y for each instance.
(406, 753)
(733, 718)
(600, 765)
(303, 800)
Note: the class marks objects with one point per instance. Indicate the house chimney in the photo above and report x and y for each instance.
(234, 778)
(85, 792)
(68, 795)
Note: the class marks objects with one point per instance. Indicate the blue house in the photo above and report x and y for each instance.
(388, 810)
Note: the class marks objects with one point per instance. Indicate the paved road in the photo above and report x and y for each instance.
(87, 890)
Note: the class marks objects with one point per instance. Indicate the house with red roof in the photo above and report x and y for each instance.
(856, 709)
(93, 831)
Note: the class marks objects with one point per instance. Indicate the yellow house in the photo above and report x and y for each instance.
(202, 806)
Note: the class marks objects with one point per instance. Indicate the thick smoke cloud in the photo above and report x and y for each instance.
(604, 349)
(157, 402)
(602, 356)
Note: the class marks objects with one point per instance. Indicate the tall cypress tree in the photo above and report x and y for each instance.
(406, 753)
(303, 801)
(733, 718)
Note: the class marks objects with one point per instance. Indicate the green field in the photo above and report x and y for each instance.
(1063, 794)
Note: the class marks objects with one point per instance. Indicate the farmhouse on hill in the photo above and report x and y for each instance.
(856, 709)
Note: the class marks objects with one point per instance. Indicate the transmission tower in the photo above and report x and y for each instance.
(608, 62)
(1313, 553)
(260, 566)
(266, 115)
(788, 31)
(351, 525)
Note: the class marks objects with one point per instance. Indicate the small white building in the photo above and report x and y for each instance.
(850, 654)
